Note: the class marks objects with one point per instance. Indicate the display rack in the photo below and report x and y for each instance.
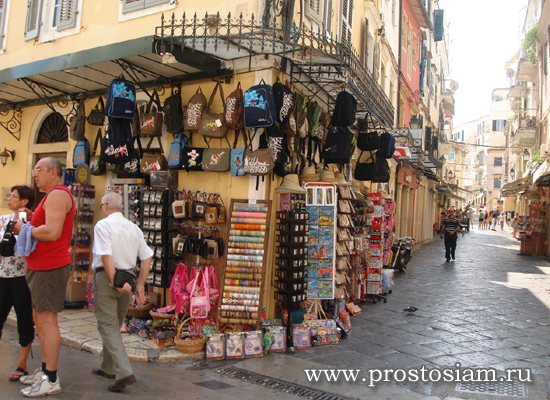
(291, 260)
(243, 278)
(376, 250)
(345, 243)
(81, 244)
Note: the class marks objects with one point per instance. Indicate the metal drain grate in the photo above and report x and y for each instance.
(280, 385)
(513, 388)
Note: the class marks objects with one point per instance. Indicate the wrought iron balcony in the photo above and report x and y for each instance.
(330, 64)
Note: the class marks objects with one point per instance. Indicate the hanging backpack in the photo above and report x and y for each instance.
(97, 165)
(257, 162)
(337, 147)
(300, 114)
(117, 145)
(81, 153)
(193, 111)
(237, 156)
(234, 109)
(259, 106)
(283, 100)
(387, 146)
(277, 142)
(367, 136)
(173, 112)
(344, 109)
(381, 170)
(175, 153)
(121, 99)
(77, 128)
(316, 129)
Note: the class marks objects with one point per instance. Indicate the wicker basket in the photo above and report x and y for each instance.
(188, 346)
(157, 315)
(142, 312)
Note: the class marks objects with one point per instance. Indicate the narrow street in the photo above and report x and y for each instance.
(489, 308)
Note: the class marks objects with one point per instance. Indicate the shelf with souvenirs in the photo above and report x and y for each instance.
(532, 231)
(376, 250)
(345, 246)
(291, 260)
(81, 244)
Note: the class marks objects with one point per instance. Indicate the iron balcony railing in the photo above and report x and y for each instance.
(227, 39)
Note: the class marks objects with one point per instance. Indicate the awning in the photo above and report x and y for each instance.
(543, 180)
(513, 188)
(402, 152)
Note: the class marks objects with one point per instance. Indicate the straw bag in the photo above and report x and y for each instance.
(189, 343)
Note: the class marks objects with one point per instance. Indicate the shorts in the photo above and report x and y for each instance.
(48, 288)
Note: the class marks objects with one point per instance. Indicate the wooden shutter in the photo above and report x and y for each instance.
(66, 17)
(347, 21)
(314, 10)
(327, 20)
(132, 5)
(2, 17)
(34, 13)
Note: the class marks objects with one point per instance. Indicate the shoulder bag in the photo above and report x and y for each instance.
(97, 115)
(151, 122)
(213, 125)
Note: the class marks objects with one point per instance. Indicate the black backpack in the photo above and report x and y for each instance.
(337, 147)
(259, 106)
(381, 170)
(117, 145)
(277, 141)
(121, 99)
(387, 146)
(344, 109)
(283, 101)
(173, 113)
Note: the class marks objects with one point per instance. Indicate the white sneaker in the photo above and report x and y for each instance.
(31, 379)
(42, 387)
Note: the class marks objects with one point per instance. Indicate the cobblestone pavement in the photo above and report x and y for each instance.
(489, 308)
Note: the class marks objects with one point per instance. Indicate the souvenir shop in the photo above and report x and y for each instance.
(233, 276)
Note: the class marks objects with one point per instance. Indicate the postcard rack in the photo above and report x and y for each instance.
(245, 262)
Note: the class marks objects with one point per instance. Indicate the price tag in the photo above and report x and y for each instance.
(252, 202)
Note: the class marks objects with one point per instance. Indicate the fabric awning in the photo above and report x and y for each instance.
(543, 180)
(402, 152)
(513, 188)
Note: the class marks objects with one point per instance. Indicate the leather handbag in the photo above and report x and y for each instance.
(97, 165)
(365, 171)
(151, 122)
(153, 161)
(258, 162)
(97, 115)
(122, 276)
(213, 125)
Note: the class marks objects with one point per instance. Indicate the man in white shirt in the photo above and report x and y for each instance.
(117, 245)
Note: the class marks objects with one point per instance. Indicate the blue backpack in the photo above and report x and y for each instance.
(121, 99)
(259, 106)
(81, 153)
(175, 154)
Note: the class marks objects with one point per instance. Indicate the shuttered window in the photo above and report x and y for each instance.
(2, 18)
(134, 5)
(347, 22)
(66, 14)
(314, 10)
(32, 25)
(327, 18)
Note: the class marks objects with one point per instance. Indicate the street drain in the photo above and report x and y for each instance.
(280, 385)
(513, 388)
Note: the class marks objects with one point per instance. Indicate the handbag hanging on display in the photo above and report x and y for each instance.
(258, 162)
(153, 161)
(97, 165)
(97, 115)
(211, 215)
(220, 207)
(365, 171)
(200, 297)
(151, 122)
(237, 156)
(198, 209)
(132, 167)
(213, 125)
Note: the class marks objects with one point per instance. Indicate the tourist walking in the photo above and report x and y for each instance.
(450, 228)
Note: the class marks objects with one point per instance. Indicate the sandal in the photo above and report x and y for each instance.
(14, 377)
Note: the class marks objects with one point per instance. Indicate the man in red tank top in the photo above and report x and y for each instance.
(48, 269)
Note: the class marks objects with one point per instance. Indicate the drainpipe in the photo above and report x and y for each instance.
(399, 50)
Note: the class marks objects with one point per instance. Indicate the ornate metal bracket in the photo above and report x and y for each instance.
(46, 94)
(10, 119)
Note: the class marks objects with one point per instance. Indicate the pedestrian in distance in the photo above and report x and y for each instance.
(48, 269)
(481, 218)
(14, 291)
(495, 219)
(501, 220)
(117, 244)
(489, 219)
(470, 214)
(450, 228)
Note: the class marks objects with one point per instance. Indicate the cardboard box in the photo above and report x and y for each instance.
(164, 179)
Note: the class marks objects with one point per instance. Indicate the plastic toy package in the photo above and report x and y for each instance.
(301, 337)
(253, 344)
(215, 347)
(234, 346)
